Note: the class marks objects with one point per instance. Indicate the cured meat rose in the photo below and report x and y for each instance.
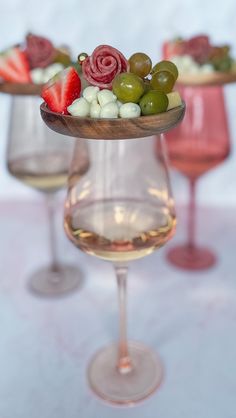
(103, 65)
(199, 48)
(40, 51)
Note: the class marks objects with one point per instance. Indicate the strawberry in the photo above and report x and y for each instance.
(14, 66)
(62, 90)
(172, 48)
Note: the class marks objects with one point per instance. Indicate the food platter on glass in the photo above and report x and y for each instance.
(23, 89)
(215, 78)
(200, 61)
(120, 128)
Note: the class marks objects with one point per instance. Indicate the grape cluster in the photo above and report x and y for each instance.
(145, 85)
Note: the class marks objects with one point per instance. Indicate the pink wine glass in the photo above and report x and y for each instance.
(196, 146)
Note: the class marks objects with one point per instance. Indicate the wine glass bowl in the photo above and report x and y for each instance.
(119, 128)
(200, 144)
(39, 160)
(120, 210)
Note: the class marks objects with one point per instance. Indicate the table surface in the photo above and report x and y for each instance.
(45, 344)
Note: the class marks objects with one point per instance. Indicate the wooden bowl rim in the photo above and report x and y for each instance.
(112, 129)
(20, 89)
(116, 121)
(217, 78)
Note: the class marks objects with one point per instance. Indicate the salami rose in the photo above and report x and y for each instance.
(100, 68)
(39, 51)
(199, 48)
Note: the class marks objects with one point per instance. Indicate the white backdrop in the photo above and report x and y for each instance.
(129, 25)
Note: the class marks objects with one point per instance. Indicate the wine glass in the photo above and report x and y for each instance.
(40, 159)
(196, 146)
(121, 210)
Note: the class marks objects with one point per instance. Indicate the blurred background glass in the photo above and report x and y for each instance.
(199, 144)
(40, 159)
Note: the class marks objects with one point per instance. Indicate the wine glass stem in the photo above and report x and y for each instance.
(192, 213)
(124, 364)
(50, 203)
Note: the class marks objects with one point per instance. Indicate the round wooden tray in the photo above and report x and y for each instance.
(210, 79)
(23, 89)
(92, 128)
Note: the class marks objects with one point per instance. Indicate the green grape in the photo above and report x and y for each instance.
(153, 102)
(140, 64)
(128, 87)
(162, 81)
(166, 66)
(223, 64)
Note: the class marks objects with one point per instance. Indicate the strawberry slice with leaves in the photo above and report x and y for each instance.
(14, 66)
(62, 90)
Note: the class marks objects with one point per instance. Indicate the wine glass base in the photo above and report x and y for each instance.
(189, 258)
(48, 283)
(118, 388)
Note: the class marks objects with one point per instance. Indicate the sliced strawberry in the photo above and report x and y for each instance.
(19, 61)
(51, 94)
(62, 90)
(14, 66)
(173, 48)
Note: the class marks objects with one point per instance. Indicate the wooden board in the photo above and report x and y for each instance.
(210, 79)
(92, 128)
(24, 89)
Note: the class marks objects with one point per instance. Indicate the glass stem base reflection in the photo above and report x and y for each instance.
(191, 258)
(52, 283)
(135, 385)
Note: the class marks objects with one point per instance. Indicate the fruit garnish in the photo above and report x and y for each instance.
(153, 102)
(220, 58)
(14, 66)
(166, 66)
(100, 68)
(60, 92)
(128, 87)
(140, 64)
(173, 48)
(39, 51)
(204, 56)
(130, 96)
(162, 81)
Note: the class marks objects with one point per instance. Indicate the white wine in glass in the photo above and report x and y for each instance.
(120, 210)
(40, 159)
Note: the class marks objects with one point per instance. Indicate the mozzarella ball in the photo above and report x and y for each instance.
(207, 68)
(79, 107)
(105, 96)
(90, 93)
(109, 110)
(37, 75)
(130, 110)
(95, 109)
